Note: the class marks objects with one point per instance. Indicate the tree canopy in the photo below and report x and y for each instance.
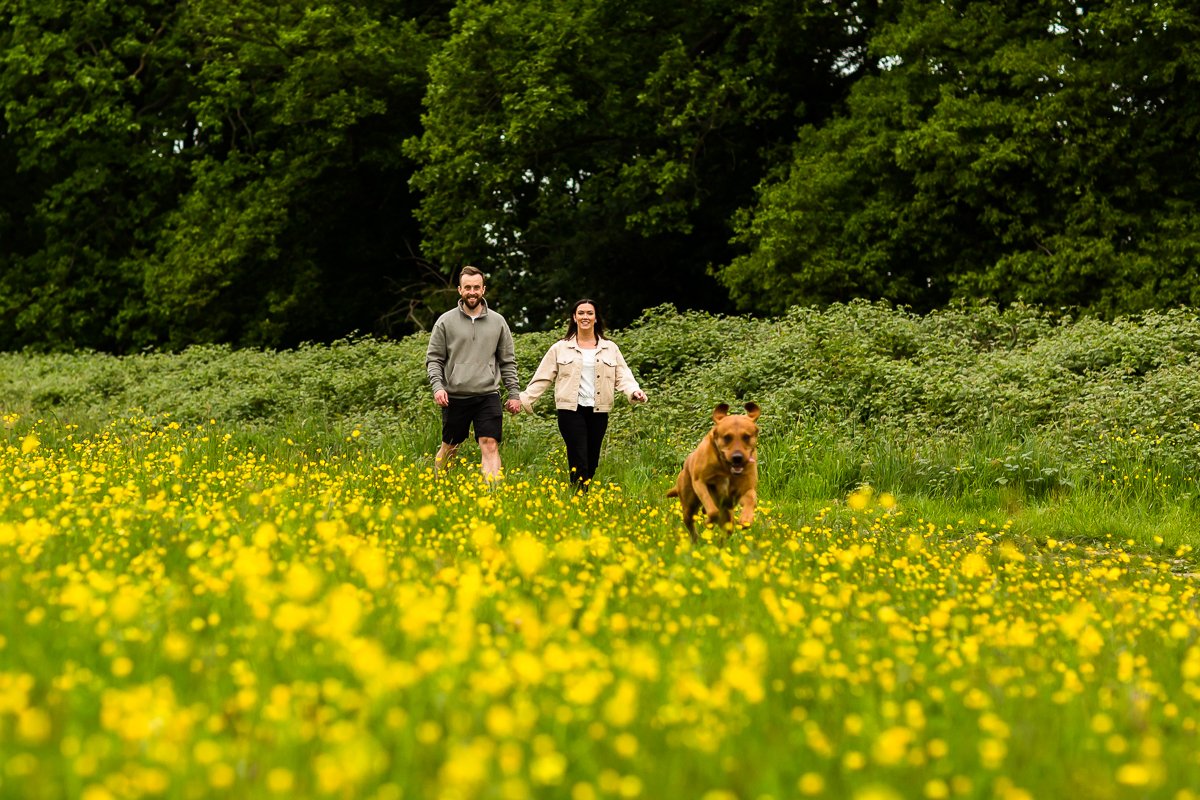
(206, 171)
(1004, 150)
(600, 147)
(182, 172)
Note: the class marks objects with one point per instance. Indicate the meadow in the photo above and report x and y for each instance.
(234, 574)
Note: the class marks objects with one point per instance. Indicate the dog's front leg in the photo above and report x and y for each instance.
(749, 501)
(705, 492)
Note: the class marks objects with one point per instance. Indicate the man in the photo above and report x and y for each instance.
(470, 354)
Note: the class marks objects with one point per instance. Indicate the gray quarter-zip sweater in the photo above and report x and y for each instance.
(471, 356)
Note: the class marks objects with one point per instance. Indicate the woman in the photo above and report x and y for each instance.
(587, 370)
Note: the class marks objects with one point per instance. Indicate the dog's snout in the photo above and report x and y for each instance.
(738, 458)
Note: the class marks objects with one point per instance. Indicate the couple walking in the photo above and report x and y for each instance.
(471, 355)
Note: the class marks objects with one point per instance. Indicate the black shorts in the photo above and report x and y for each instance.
(485, 412)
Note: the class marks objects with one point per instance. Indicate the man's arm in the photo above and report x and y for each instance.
(506, 359)
(435, 358)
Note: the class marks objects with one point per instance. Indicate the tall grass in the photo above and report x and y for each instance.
(1013, 411)
(234, 574)
(203, 610)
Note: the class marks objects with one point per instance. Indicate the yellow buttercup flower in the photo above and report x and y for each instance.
(974, 565)
(528, 555)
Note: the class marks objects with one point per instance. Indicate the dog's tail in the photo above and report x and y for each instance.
(673, 491)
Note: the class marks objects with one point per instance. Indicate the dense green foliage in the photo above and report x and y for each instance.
(1010, 150)
(203, 172)
(607, 143)
(969, 406)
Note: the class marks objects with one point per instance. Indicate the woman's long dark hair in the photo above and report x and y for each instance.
(573, 328)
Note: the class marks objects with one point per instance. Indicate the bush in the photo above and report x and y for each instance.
(968, 396)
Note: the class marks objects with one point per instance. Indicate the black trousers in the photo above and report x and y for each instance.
(583, 431)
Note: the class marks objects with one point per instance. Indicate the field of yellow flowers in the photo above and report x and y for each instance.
(183, 616)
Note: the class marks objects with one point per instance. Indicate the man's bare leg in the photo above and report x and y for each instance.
(444, 458)
(490, 449)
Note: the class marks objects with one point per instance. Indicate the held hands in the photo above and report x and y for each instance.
(443, 399)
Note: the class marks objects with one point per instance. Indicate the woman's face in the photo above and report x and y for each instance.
(585, 316)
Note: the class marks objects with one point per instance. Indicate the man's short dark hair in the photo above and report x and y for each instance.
(469, 270)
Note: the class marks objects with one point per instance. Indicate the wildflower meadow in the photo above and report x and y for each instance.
(197, 605)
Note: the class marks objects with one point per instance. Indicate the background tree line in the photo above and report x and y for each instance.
(268, 174)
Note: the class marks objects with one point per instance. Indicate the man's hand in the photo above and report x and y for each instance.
(513, 406)
(638, 397)
(441, 398)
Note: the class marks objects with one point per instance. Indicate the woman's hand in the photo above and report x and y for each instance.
(638, 397)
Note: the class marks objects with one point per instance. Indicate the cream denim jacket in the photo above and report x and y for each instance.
(562, 366)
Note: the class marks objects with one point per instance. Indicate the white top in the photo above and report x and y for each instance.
(587, 378)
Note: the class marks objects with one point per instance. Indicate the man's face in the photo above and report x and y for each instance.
(470, 289)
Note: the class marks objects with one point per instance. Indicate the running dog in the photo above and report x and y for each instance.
(722, 472)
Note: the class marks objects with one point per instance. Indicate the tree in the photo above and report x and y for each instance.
(600, 147)
(298, 214)
(1006, 149)
(86, 88)
(207, 171)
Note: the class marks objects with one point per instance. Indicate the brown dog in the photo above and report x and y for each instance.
(722, 471)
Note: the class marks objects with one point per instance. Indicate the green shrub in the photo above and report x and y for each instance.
(971, 400)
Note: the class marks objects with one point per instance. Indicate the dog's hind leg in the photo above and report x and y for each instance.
(690, 506)
(725, 516)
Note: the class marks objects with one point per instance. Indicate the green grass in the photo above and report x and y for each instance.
(233, 574)
(194, 611)
(1072, 428)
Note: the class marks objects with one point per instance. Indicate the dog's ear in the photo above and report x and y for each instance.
(720, 412)
(752, 410)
